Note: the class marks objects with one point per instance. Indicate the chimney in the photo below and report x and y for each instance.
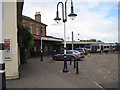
(38, 16)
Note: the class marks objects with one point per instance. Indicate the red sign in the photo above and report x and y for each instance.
(6, 42)
(37, 37)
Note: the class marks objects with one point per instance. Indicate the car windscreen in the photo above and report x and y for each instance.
(76, 51)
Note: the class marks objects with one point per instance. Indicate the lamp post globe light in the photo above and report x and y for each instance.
(72, 15)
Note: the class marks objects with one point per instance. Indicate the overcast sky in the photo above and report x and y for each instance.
(95, 20)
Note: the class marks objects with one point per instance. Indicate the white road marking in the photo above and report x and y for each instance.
(93, 80)
(97, 84)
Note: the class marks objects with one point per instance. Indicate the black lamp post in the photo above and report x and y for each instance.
(64, 17)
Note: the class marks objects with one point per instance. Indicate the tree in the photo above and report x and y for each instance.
(99, 41)
(25, 42)
(91, 40)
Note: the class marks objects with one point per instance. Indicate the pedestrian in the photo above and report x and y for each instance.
(106, 51)
(100, 52)
(54, 52)
(88, 54)
(34, 50)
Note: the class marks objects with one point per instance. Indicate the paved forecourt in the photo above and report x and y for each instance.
(48, 74)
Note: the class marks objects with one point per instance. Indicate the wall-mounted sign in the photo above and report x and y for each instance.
(7, 42)
(37, 37)
(7, 49)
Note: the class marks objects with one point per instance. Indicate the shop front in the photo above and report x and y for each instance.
(50, 45)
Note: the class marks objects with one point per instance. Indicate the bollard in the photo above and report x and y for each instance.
(74, 63)
(70, 62)
(41, 57)
(77, 67)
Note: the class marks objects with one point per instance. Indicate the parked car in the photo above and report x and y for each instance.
(70, 55)
(83, 50)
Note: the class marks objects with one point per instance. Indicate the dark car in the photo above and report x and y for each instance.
(70, 55)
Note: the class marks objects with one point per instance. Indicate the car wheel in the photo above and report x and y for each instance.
(73, 58)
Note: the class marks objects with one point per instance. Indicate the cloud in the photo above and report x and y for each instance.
(95, 23)
(94, 19)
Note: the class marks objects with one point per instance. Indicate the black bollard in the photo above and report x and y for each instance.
(70, 62)
(77, 67)
(41, 57)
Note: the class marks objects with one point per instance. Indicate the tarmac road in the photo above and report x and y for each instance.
(102, 69)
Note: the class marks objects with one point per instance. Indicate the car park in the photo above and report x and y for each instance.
(70, 55)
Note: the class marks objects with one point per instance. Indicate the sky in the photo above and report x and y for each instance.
(95, 20)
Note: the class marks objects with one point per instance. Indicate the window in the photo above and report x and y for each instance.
(42, 31)
(107, 46)
(37, 31)
(31, 28)
(62, 52)
(68, 52)
(75, 51)
(98, 47)
(95, 47)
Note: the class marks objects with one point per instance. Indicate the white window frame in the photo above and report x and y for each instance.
(37, 31)
(31, 28)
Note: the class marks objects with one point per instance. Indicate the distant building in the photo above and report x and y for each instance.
(38, 29)
(78, 44)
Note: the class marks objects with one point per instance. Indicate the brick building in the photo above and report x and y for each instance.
(38, 29)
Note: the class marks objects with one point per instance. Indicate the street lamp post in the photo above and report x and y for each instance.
(72, 41)
(41, 49)
(72, 15)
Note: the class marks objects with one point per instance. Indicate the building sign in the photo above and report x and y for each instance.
(7, 42)
(37, 37)
(7, 47)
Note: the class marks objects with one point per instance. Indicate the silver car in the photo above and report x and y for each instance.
(70, 55)
(84, 50)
